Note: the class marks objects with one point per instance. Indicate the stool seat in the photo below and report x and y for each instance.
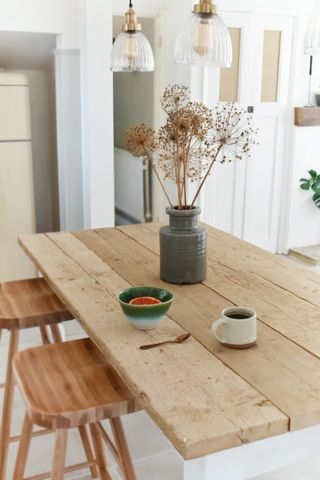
(69, 384)
(30, 303)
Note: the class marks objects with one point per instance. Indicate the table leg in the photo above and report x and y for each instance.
(226, 465)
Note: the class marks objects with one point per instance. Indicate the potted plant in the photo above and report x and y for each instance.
(312, 183)
(184, 152)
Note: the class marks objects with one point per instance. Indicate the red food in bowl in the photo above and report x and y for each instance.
(144, 301)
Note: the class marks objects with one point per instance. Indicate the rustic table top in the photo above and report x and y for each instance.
(203, 396)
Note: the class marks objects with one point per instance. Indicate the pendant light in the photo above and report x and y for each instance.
(205, 39)
(131, 50)
(312, 42)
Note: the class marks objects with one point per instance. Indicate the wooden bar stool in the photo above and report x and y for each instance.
(69, 385)
(24, 304)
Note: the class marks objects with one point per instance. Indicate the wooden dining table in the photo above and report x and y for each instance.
(231, 414)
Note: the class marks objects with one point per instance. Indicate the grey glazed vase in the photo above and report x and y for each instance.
(183, 248)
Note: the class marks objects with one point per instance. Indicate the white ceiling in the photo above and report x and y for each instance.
(26, 50)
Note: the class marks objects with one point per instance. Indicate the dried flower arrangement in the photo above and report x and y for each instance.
(192, 140)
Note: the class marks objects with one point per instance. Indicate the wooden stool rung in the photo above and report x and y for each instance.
(2, 385)
(72, 468)
(38, 433)
(110, 444)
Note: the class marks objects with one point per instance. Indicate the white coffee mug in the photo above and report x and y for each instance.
(237, 327)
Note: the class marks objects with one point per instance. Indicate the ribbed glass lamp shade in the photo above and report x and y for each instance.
(132, 52)
(312, 40)
(204, 40)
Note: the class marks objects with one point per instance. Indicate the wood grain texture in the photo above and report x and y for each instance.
(59, 455)
(30, 303)
(246, 257)
(306, 116)
(277, 366)
(286, 296)
(69, 384)
(23, 450)
(201, 405)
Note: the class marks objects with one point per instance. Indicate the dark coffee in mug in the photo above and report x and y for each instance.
(238, 316)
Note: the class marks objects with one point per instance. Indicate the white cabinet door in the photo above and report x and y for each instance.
(244, 198)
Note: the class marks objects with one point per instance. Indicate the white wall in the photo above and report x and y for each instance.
(303, 216)
(300, 218)
(51, 16)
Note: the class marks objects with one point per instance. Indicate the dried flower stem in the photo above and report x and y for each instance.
(206, 175)
(149, 158)
(161, 183)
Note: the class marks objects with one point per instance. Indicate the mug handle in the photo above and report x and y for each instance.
(215, 327)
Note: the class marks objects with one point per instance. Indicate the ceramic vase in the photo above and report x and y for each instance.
(183, 248)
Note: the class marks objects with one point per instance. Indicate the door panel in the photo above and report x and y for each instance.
(251, 198)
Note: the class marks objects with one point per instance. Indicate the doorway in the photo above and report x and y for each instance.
(133, 103)
(29, 170)
(244, 198)
(32, 55)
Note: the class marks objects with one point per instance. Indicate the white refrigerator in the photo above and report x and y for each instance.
(17, 208)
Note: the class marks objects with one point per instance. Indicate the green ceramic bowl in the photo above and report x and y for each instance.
(145, 317)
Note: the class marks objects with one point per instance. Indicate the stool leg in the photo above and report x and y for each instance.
(122, 447)
(100, 454)
(44, 334)
(59, 457)
(83, 430)
(7, 405)
(57, 337)
(1, 384)
(23, 450)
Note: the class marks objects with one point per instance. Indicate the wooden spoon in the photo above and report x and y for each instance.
(180, 339)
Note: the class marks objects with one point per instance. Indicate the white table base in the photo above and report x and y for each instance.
(253, 459)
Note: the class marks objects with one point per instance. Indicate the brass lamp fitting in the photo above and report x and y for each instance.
(131, 24)
(205, 7)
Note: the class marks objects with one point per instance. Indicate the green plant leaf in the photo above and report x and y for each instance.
(304, 180)
(316, 187)
(305, 185)
(316, 199)
(313, 174)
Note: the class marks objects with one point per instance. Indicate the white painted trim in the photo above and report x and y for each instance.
(285, 208)
(158, 88)
(257, 458)
(67, 51)
(68, 108)
(95, 17)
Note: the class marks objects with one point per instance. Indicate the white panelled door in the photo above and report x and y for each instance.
(244, 198)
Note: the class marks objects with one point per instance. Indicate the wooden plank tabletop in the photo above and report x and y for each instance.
(203, 396)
